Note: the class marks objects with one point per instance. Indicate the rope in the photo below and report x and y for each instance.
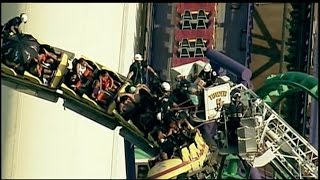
(210, 121)
(184, 102)
(180, 108)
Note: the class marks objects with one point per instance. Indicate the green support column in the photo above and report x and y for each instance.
(232, 170)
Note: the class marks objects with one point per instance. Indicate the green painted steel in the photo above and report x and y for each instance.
(294, 80)
(231, 172)
(140, 154)
(283, 95)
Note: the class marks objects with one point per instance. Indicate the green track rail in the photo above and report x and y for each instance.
(287, 83)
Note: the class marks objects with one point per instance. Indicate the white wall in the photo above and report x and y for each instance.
(40, 139)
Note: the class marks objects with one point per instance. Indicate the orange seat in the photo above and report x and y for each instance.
(87, 73)
(101, 96)
(78, 84)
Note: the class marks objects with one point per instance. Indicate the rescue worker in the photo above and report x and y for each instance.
(181, 90)
(236, 110)
(13, 25)
(138, 70)
(206, 77)
(126, 105)
(182, 83)
(167, 100)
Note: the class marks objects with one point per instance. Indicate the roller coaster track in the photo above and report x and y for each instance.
(290, 154)
(287, 83)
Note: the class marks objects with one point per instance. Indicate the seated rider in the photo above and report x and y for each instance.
(107, 82)
(73, 83)
(139, 93)
(48, 55)
(126, 105)
(39, 68)
(42, 64)
(97, 95)
(84, 70)
(206, 77)
(167, 146)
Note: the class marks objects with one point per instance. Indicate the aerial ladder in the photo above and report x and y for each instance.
(278, 144)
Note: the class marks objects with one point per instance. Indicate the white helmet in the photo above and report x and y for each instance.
(207, 67)
(138, 57)
(24, 17)
(159, 116)
(166, 86)
(132, 89)
(235, 95)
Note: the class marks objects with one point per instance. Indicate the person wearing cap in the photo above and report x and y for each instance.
(138, 70)
(235, 110)
(206, 77)
(12, 26)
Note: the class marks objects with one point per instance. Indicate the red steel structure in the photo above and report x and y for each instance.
(194, 33)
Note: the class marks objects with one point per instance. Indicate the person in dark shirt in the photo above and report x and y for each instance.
(167, 100)
(138, 70)
(182, 83)
(12, 26)
(236, 110)
(206, 77)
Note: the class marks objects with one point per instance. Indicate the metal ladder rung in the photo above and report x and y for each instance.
(277, 130)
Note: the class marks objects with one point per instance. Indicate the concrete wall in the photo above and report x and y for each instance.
(41, 139)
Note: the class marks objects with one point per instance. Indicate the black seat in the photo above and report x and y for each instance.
(186, 24)
(201, 24)
(199, 52)
(202, 14)
(199, 42)
(184, 53)
(185, 43)
(186, 15)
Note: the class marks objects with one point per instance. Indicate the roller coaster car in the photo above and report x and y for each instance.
(193, 161)
(73, 98)
(134, 124)
(32, 85)
(89, 108)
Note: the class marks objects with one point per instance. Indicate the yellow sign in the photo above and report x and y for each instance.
(218, 94)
